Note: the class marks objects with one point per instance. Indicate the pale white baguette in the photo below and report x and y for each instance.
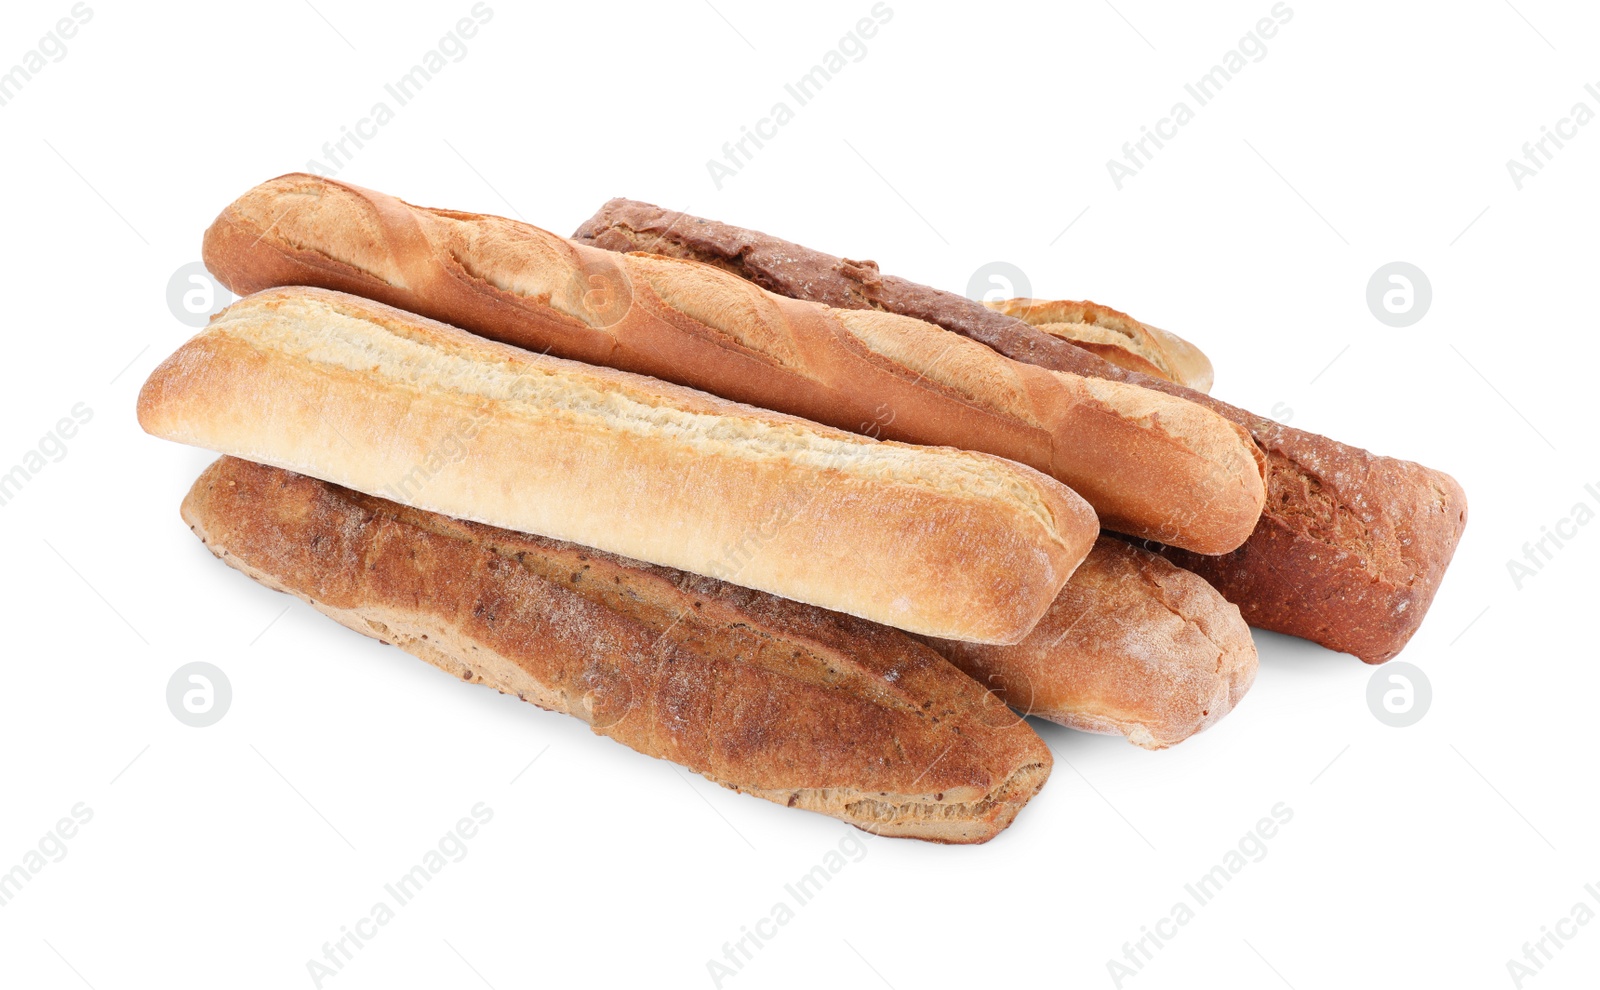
(938, 541)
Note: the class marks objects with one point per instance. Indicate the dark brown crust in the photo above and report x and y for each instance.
(1351, 546)
(792, 703)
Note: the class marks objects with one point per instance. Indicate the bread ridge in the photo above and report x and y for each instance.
(1158, 468)
(1351, 546)
(765, 696)
(1133, 646)
(1116, 337)
(383, 401)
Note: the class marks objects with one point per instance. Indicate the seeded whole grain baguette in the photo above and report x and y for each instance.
(790, 703)
(364, 395)
(1350, 547)
(1151, 465)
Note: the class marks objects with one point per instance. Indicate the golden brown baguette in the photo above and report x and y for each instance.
(1152, 466)
(769, 697)
(386, 402)
(1132, 645)
(1116, 337)
(1351, 547)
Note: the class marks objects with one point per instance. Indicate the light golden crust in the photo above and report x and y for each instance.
(1115, 336)
(769, 697)
(1153, 466)
(366, 396)
(1133, 645)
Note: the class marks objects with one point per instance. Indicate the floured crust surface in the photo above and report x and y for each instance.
(769, 697)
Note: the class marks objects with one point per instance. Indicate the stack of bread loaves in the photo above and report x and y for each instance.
(750, 512)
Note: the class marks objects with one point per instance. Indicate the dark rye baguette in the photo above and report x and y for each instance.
(1133, 645)
(794, 704)
(1350, 547)
(1151, 465)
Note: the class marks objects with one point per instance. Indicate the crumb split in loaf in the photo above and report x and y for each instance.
(791, 703)
(373, 398)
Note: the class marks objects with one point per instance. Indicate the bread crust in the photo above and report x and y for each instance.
(1152, 465)
(769, 697)
(386, 402)
(1116, 337)
(1351, 546)
(1133, 645)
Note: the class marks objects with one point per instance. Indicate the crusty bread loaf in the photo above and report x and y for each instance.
(791, 703)
(1116, 337)
(1351, 546)
(934, 540)
(1152, 466)
(1132, 645)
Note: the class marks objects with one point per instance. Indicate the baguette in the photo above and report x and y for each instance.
(1351, 546)
(768, 697)
(1151, 465)
(1116, 337)
(1133, 645)
(933, 540)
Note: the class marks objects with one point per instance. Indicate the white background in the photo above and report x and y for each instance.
(1370, 132)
